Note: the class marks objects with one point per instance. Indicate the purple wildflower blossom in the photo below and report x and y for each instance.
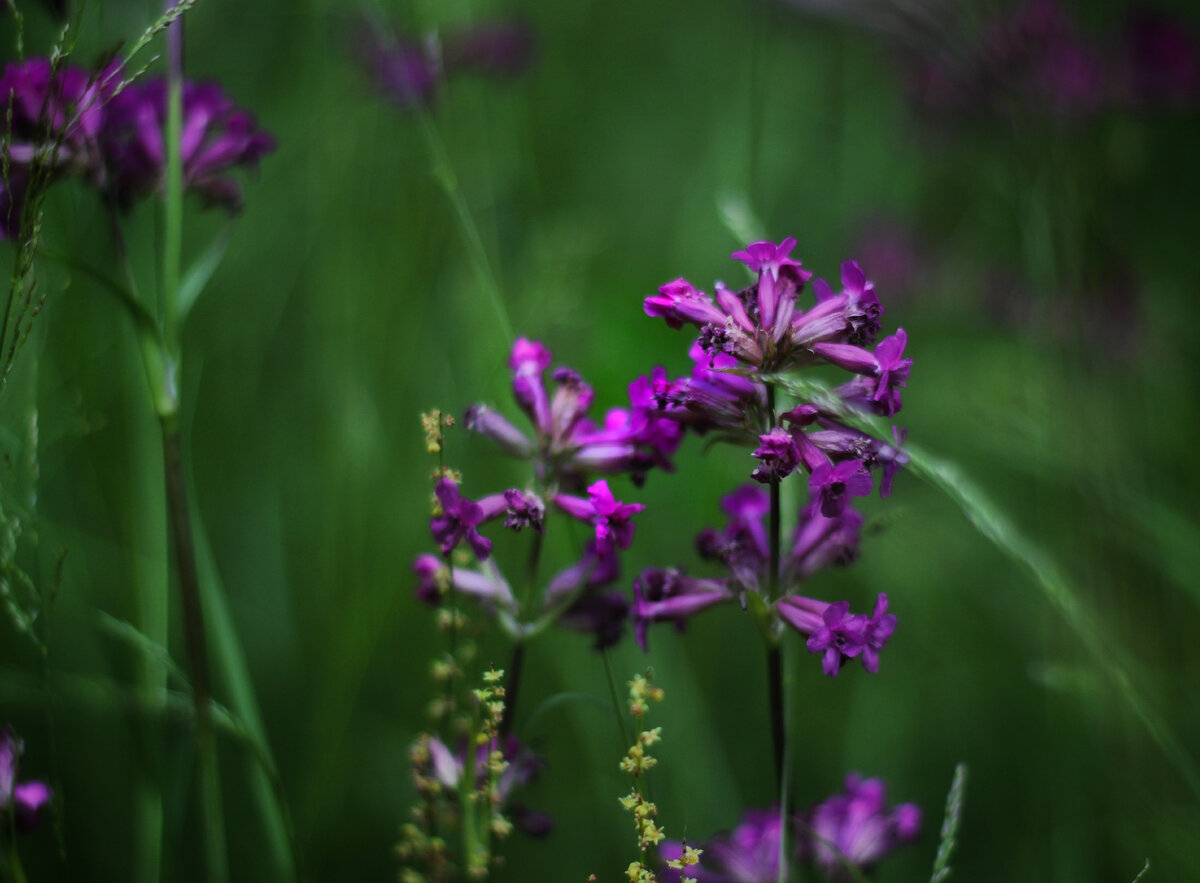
(492, 48)
(458, 520)
(409, 72)
(832, 485)
(566, 443)
(857, 827)
(820, 542)
(747, 854)
(405, 70)
(24, 800)
(1161, 60)
(836, 633)
(485, 585)
(669, 596)
(610, 517)
(522, 767)
(600, 614)
(216, 138)
(779, 456)
(54, 120)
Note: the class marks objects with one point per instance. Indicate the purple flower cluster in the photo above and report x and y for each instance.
(21, 803)
(747, 340)
(762, 330)
(68, 121)
(410, 72)
(818, 542)
(567, 450)
(848, 831)
(1033, 56)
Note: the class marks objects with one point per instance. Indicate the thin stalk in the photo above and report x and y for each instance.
(626, 741)
(197, 647)
(775, 687)
(151, 589)
(443, 171)
(512, 688)
(175, 476)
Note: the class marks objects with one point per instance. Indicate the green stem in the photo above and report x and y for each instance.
(512, 687)
(443, 171)
(179, 516)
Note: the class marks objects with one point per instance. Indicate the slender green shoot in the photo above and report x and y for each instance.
(950, 823)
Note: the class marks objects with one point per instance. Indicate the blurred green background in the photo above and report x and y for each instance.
(1049, 296)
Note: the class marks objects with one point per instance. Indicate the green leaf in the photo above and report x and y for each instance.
(199, 274)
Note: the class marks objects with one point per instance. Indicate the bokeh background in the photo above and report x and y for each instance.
(1030, 222)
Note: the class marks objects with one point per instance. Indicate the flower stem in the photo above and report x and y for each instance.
(175, 477)
(775, 687)
(512, 688)
(443, 172)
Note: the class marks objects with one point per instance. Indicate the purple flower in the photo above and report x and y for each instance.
(23, 800)
(599, 614)
(486, 585)
(406, 71)
(495, 48)
(876, 631)
(763, 326)
(1161, 60)
(409, 72)
(216, 138)
(778, 454)
(836, 633)
(54, 119)
(610, 517)
(567, 444)
(575, 591)
(820, 542)
(747, 854)
(458, 520)
(832, 485)
(669, 596)
(522, 767)
(524, 509)
(857, 827)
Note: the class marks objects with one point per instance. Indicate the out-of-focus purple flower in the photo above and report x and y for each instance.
(217, 137)
(833, 485)
(820, 542)
(609, 516)
(857, 827)
(24, 800)
(522, 767)
(747, 854)
(567, 444)
(459, 520)
(1030, 58)
(876, 631)
(53, 119)
(837, 633)
(895, 253)
(576, 591)
(600, 614)
(493, 48)
(485, 585)
(1160, 60)
(669, 596)
(410, 72)
(406, 71)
